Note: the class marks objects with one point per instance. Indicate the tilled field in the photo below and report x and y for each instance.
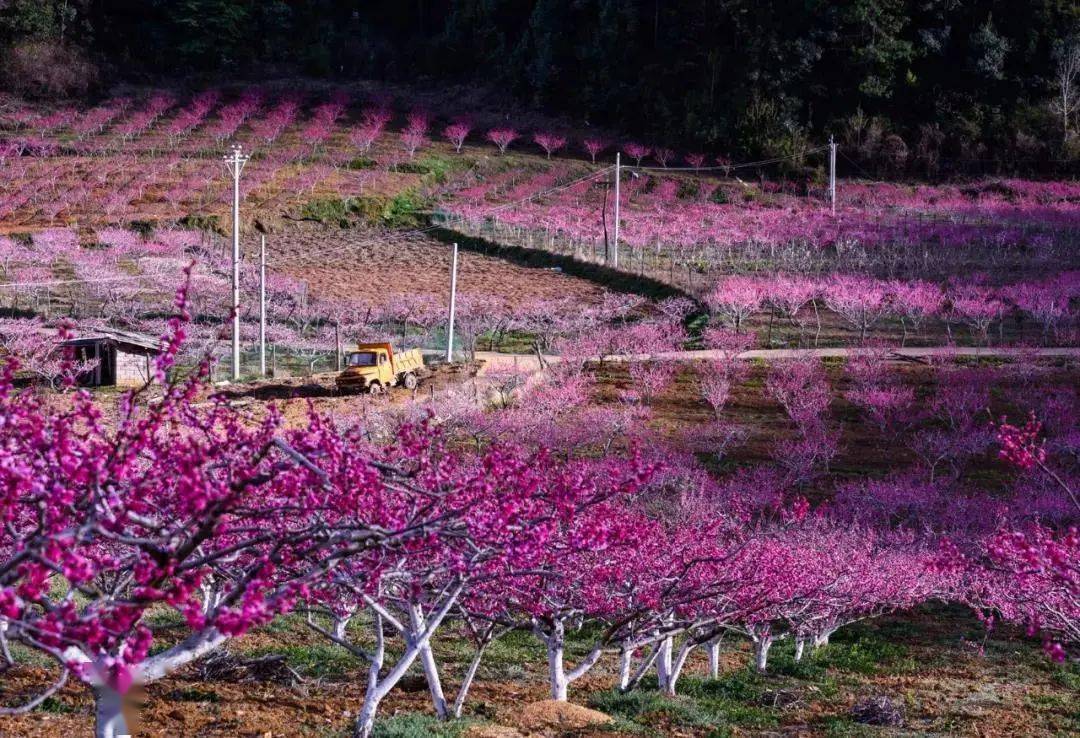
(374, 267)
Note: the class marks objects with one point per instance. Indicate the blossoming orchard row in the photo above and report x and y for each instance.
(207, 118)
(160, 159)
(556, 519)
(685, 230)
(119, 277)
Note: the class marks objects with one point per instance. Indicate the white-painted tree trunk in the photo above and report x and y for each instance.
(714, 658)
(626, 662)
(664, 663)
(365, 721)
(822, 639)
(415, 643)
(800, 647)
(109, 715)
(677, 666)
(558, 677)
(555, 641)
(427, 662)
(467, 680)
(4, 649)
(109, 719)
(762, 644)
(643, 668)
(192, 648)
(341, 626)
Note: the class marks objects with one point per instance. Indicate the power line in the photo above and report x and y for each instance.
(729, 167)
(866, 174)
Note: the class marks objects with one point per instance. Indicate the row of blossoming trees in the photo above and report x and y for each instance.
(863, 303)
(394, 534)
(686, 230)
(158, 155)
(121, 278)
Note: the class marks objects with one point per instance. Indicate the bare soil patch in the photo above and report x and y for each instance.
(365, 265)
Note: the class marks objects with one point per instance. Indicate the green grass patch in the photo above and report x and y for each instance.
(1068, 676)
(863, 651)
(329, 210)
(54, 706)
(688, 189)
(505, 657)
(322, 660)
(405, 210)
(412, 725)
(193, 221)
(841, 726)
(720, 196)
(650, 708)
(433, 168)
(718, 704)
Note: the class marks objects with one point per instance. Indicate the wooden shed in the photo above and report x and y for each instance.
(122, 357)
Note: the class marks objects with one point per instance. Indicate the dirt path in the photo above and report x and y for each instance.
(530, 362)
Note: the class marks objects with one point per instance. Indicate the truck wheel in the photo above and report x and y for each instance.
(375, 388)
(411, 381)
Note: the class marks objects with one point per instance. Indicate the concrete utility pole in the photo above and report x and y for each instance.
(453, 305)
(262, 307)
(832, 174)
(613, 257)
(337, 344)
(235, 162)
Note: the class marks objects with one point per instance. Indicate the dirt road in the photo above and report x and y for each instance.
(530, 362)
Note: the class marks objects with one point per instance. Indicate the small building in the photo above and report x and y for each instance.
(121, 357)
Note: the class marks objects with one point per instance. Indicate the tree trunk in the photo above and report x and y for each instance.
(431, 674)
(427, 661)
(626, 659)
(714, 658)
(340, 626)
(644, 667)
(416, 642)
(365, 721)
(800, 646)
(4, 649)
(556, 664)
(467, 680)
(680, 661)
(761, 652)
(664, 664)
(109, 719)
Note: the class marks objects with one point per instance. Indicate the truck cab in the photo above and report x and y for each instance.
(373, 367)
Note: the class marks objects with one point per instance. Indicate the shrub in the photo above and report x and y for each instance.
(330, 210)
(404, 210)
(48, 69)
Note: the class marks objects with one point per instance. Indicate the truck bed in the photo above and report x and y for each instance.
(408, 361)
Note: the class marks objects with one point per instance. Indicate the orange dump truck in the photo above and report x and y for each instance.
(374, 367)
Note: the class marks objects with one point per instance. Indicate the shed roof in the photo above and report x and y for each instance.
(128, 338)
